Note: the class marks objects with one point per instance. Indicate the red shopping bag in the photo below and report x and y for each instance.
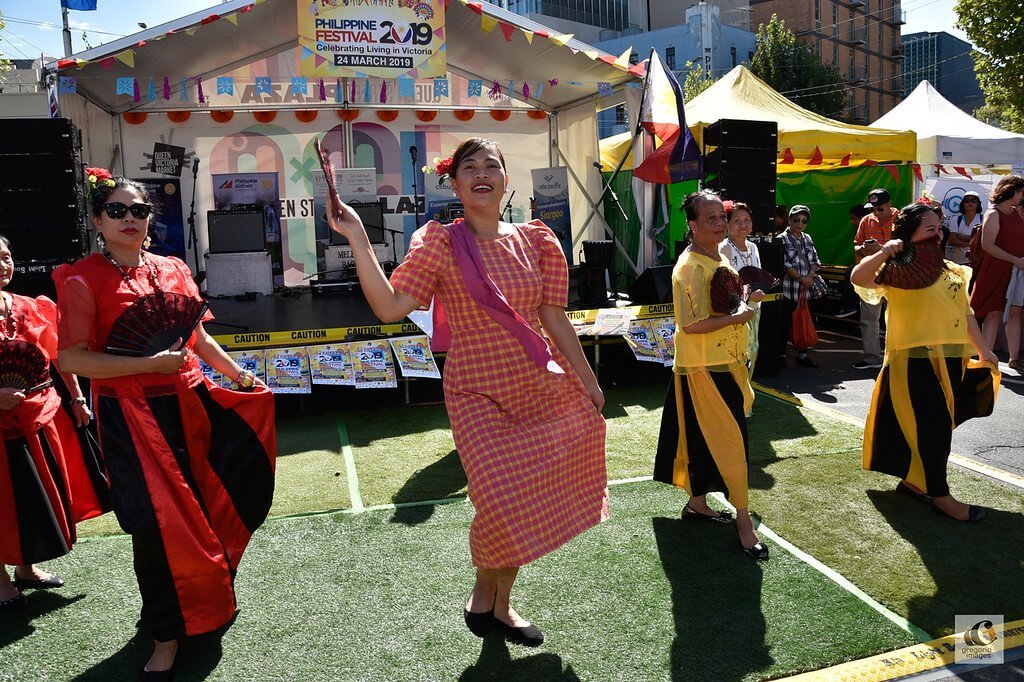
(803, 335)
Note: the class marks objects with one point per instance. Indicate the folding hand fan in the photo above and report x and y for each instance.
(23, 366)
(756, 278)
(917, 266)
(153, 323)
(726, 291)
(328, 168)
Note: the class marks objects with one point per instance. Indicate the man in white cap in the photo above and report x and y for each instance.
(874, 231)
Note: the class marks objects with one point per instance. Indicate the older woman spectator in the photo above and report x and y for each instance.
(801, 263)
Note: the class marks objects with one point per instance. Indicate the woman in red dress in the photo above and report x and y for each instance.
(525, 412)
(1002, 241)
(191, 464)
(44, 487)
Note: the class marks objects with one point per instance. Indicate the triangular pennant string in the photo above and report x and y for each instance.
(167, 88)
(384, 92)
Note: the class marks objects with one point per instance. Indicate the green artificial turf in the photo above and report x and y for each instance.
(645, 596)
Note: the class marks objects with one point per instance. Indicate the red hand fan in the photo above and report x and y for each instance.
(726, 291)
(917, 266)
(333, 200)
(756, 278)
(23, 367)
(153, 322)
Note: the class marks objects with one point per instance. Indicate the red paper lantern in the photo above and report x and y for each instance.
(222, 115)
(264, 116)
(348, 114)
(134, 117)
(537, 114)
(501, 114)
(426, 115)
(306, 115)
(178, 116)
(464, 114)
(387, 114)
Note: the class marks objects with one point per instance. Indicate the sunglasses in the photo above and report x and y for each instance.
(798, 221)
(116, 210)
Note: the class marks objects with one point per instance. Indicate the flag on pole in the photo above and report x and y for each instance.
(81, 5)
(662, 115)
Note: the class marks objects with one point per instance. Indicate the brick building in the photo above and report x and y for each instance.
(860, 37)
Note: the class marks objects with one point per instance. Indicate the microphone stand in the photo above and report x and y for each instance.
(508, 206)
(413, 152)
(193, 240)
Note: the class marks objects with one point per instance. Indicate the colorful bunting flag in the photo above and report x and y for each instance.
(151, 95)
(495, 92)
(816, 158)
(406, 87)
(68, 85)
(299, 85)
(125, 86)
(167, 88)
(337, 91)
(440, 87)
(367, 95)
(136, 92)
(323, 91)
(225, 85)
(604, 89)
(383, 92)
(917, 171)
(526, 91)
(184, 90)
(199, 88)
(508, 30)
(264, 86)
(476, 88)
(540, 88)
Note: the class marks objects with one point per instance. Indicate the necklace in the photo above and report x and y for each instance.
(128, 280)
(9, 328)
(704, 252)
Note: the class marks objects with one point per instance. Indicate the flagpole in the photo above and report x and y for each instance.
(67, 31)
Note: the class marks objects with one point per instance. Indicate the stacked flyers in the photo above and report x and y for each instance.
(363, 364)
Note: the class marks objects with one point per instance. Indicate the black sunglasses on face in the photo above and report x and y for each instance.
(116, 210)
(799, 221)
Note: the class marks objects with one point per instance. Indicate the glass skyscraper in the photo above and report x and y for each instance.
(613, 14)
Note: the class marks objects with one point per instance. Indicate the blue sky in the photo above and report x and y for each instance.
(24, 37)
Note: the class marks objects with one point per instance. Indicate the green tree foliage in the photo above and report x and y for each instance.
(997, 31)
(5, 64)
(796, 71)
(695, 82)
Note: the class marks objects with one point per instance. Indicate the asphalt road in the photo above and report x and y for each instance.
(997, 441)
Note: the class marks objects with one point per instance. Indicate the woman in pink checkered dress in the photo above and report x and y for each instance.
(525, 412)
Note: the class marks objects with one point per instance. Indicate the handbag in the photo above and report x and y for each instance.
(818, 288)
(802, 334)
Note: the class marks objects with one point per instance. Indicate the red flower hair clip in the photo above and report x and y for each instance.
(98, 178)
(443, 167)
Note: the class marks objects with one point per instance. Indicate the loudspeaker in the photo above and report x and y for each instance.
(771, 339)
(234, 274)
(654, 285)
(734, 162)
(739, 134)
(39, 136)
(772, 251)
(236, 231)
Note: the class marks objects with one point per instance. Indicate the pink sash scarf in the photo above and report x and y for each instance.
(484, 291)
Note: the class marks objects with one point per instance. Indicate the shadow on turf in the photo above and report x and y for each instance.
(15, 625)
(197, 658)
(716, 601)
(976, 566)
(439, 480)
(496, 663)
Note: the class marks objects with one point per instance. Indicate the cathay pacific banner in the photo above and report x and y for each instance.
(551, 204)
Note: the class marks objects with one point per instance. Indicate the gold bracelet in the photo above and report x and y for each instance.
(79, 401)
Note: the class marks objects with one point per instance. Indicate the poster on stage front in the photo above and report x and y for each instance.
(331, 364)
(642, 340)
(254, 361)
(383, 38)
(167, 226)
(373, 365)
(414, 357)
(288, 370)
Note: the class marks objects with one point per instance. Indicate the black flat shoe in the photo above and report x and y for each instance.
(905, 489)
(529, 635)
(722, 517)
(974, 513)
(758, 552)
(158, 675)
(480, 624)
(15, 603)
(52, 582)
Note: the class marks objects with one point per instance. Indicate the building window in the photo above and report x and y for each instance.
(620, 115)
(634, 58)
(817, 45)
(835, 54)
(817, 14)
(732, 55)
(670, 58)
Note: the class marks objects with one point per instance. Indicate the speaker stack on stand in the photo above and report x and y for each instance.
(43, 207)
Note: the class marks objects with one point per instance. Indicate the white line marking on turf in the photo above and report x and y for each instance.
(350, 468)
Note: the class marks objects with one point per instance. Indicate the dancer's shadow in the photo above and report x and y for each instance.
(976, 567)
(495, 663)
(437, 481)
(18, 624)
(197, 658)
(716, 602)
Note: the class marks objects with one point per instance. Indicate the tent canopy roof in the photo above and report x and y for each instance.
(200, 45)
(947, 134)
(742, 95)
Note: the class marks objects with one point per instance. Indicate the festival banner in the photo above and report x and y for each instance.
(383, 39)
(551, 194)
(254, 361)
(373, 365)
(254, 190)
(665, 333)
(331, 364)
(414, 357)
(642, 340)
(288, 370)
(212, 374)
(167, 227)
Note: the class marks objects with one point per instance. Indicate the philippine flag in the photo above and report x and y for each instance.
(662, 115)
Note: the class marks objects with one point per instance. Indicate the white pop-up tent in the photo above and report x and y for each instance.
(948, 135)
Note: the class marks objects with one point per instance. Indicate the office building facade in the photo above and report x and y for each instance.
(946, 62)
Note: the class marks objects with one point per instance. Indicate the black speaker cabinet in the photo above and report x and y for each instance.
(654, 285)
(736, 162)
(739, 134)
(772, 251)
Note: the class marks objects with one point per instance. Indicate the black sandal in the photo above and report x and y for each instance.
(15, 603)
(722, 517)
(759, 552)
(974, 513)
(48, 583)
(905, 489)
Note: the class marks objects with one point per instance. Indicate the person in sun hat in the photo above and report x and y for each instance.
(874, 231)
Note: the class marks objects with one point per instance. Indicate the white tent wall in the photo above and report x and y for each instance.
(99, 142)
(577, 141)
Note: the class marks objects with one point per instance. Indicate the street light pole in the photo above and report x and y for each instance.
(66, 32)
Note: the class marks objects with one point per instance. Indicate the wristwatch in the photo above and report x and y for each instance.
(246, 379)
(79, 401)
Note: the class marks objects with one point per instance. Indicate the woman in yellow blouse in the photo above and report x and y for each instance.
(928, 384)
(703, 445)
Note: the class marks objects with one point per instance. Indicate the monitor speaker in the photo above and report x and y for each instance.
(236, 231)
(772, 251)
(654, 285)
(739, 134)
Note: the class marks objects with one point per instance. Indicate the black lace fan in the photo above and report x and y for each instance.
(23, 366)
(917, 266)
(726, 291)
(153, 323)
(756, 278)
